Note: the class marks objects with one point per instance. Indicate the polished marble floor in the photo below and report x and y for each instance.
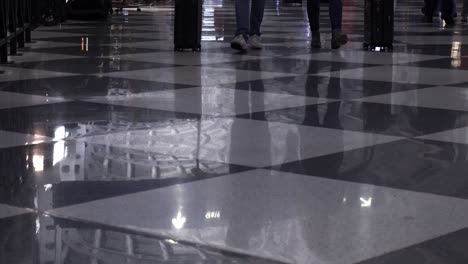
(114, 149)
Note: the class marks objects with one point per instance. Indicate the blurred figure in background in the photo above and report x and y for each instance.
(447, 8)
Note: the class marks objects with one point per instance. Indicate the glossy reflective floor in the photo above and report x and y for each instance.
(114, 149)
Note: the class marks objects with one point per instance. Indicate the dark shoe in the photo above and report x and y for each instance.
(316, 42)
(338, 39)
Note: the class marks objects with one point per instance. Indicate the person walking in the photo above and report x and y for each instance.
(447, 8)
(249, 17)
(336, 14)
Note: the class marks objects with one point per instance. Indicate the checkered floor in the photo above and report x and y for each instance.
(115, 149)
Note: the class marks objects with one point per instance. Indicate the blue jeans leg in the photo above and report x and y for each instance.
(256, 16)
(249, 18)
(242, 17)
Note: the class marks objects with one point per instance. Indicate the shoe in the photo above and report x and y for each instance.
(255, 43)
(239, 43)
(316, 43)
(338, 39)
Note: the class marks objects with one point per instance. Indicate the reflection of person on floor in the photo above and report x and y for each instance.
(247, 221)
(327, 221)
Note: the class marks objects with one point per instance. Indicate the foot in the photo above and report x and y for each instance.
(315, 43)
(255, 43)
(239, 43)
(338, 39)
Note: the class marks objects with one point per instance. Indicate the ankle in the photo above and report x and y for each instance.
(336, 32)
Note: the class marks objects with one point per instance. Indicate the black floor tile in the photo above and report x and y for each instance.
(92, 40)
(442, 250)
(85, 86)
(40, 239)
(411, 164)
(293, 66)
(83, 118)
(73, 172)
(89, 65)
(395, 120)
(93, 50)
(323, 87)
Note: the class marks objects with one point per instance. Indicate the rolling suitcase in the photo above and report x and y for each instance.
(378, 25)
(187, 25)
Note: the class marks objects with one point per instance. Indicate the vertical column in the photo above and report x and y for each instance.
(28, 21)
(12, 24)
(20, 22)
(4, 31)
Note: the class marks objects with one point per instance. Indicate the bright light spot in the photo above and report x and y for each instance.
(344, 199)
(366, 202)
(456, 54)
(38, 225)
(59, 133)
(59, 147)
(179, 221)
(38, 162)
(170, 241)
(213, 215)
(47, 187)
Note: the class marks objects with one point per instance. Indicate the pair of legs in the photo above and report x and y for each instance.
(249, 17)
(335, 13)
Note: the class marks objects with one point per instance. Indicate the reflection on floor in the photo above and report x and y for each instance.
(115, 149)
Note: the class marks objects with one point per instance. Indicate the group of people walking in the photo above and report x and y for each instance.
(249, 16)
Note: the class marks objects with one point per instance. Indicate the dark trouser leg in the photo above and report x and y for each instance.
(313, 12)
(256, 16)
(448, 9)
(336, 14)
(465, 8)
(242, 17)
(429, 7)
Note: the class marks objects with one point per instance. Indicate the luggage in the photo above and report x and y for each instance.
(187, 25)
(88, 9)
(378, 25)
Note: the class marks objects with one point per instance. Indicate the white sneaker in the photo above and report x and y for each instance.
(255, 43)
(239, 43)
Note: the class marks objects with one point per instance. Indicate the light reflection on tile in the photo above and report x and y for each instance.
(241, 141)
(210, 101)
